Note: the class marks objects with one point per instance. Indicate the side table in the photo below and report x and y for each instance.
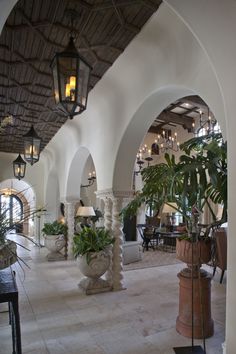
(9, 293)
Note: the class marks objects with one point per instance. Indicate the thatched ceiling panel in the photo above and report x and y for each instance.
(34, 31)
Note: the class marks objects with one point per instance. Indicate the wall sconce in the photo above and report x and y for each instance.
(91, 180)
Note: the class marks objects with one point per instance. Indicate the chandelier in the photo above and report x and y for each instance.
(162, 144)
(165, 141)
(207, 124)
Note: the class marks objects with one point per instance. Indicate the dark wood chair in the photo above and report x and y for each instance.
(220, 259)
(148, 236)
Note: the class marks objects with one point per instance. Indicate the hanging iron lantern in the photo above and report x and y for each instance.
(19, 166)
(71, 74)
(32, 144)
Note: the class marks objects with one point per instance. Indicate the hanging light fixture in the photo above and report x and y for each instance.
(71, 74)
(32, 144)
(165, 141)
(19, 166)
(207, 124)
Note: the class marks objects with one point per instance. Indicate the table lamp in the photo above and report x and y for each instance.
(85, 212)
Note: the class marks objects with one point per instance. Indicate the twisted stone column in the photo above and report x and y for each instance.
(117, 246)
(113, 205)
(70, 221)
(108, 226)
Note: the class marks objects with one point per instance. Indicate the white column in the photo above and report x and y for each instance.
(70, 221)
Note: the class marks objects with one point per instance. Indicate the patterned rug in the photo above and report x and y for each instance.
(153, 259)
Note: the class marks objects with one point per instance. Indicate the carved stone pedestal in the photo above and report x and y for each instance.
(93, 266)
(203, 325)
(55, 243)
(93, 286)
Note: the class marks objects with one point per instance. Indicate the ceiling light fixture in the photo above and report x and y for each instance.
(207, 124)
(71, 74)
(19, 166)
(32, 143)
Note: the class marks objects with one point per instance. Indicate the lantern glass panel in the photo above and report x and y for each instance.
(32, 150)
(55, 77)
(84, 73)
(68, 78)
(19, 170)
(19, 166)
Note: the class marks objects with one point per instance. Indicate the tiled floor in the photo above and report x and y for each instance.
(56, 317)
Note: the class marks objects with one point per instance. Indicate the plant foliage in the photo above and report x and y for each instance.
(55, 228)
(200, 176)
(91, 240)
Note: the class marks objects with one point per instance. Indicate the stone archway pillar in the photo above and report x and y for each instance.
(114, 202)
(70, 221)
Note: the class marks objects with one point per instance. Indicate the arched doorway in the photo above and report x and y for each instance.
(18, 198)
(12, 207)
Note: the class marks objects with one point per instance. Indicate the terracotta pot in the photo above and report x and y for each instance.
(201, 251)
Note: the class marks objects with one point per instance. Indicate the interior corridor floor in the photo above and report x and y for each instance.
(57, 318)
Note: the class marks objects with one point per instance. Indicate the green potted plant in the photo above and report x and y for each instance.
(92, 248)
(55, 239)
(199, 177)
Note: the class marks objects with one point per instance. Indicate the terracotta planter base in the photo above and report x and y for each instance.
(184, 320)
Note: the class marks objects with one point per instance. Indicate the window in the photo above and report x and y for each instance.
(13, 208)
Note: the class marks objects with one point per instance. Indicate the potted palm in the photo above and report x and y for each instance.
(92, 248)
(196, 180)
(55, 239)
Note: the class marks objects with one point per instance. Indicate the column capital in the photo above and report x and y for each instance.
(110, 193)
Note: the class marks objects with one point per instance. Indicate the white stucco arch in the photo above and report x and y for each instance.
(52, 200)
(138, 127)
(22, 187)
(74, 177)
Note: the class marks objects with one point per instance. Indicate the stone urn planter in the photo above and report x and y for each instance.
(54, 244)
(55, 239)
(93, 251)
(196, 282)
(8, 254)
(93, 265)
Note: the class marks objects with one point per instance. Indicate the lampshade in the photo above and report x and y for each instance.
(169, 208)
(85, 211)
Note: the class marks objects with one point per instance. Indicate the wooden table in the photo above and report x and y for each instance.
(169, 240)
(9, 293)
